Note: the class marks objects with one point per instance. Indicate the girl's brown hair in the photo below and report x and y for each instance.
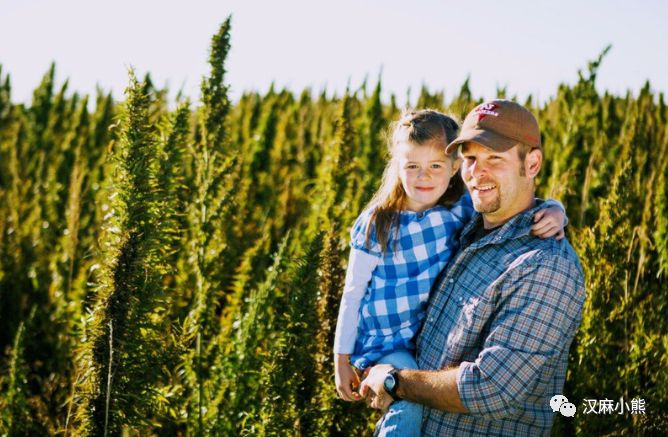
(415, 127)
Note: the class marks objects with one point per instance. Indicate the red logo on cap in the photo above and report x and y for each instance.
(485, 110)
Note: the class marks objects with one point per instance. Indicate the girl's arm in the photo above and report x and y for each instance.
(550, 221)
(360, 267)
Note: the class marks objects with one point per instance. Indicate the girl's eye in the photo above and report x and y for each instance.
(411, 166)
(436, 166)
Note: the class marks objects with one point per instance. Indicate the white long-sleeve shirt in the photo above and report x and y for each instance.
(360, 267)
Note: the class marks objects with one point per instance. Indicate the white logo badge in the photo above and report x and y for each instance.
(560, 403)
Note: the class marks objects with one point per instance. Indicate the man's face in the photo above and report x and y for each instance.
(501, 185)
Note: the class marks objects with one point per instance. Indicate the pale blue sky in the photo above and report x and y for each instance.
(529, 46)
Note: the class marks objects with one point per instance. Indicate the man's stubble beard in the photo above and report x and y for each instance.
(489, 208)
(492, 205)
(495, 204)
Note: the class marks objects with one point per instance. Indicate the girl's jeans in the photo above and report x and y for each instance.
(403, 418)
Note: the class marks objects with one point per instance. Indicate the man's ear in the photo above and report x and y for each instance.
(456, 163)
(533, 162)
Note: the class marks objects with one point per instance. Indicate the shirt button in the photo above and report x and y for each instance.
(451, 280)
(431, 319)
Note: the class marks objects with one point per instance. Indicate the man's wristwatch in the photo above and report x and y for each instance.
(391, 383)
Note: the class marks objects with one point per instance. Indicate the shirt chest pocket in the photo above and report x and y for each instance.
(468, 307)
(471, 315)
(471, 310)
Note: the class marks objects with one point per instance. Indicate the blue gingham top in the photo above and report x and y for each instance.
(395, 302)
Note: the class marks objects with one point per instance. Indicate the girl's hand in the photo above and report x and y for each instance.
(347, 379)
(549, 222)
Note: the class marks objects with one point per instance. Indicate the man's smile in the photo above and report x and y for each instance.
(484, 188)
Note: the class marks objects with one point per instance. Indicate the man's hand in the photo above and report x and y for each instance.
(372, 388)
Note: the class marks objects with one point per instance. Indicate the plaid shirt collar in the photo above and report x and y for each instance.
(518, 226)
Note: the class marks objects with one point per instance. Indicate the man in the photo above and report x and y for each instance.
(494, 346)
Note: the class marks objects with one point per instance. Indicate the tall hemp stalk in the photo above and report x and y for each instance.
(120, 361)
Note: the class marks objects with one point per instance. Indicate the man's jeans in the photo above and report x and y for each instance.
(403, 418)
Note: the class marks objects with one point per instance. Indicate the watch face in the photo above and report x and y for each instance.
(389, 383)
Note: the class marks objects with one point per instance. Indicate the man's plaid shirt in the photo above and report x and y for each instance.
(505, 312)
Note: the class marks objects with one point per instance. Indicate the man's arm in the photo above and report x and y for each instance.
(435, 389)
(534, 323)
(535, 320)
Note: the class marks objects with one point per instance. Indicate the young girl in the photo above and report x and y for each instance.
(400, 243)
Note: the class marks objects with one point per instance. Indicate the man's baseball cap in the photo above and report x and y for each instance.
(498, 125)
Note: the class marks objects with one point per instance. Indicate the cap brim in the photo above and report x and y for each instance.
(486, 138)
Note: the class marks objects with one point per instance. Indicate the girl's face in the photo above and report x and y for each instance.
(425, 171)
